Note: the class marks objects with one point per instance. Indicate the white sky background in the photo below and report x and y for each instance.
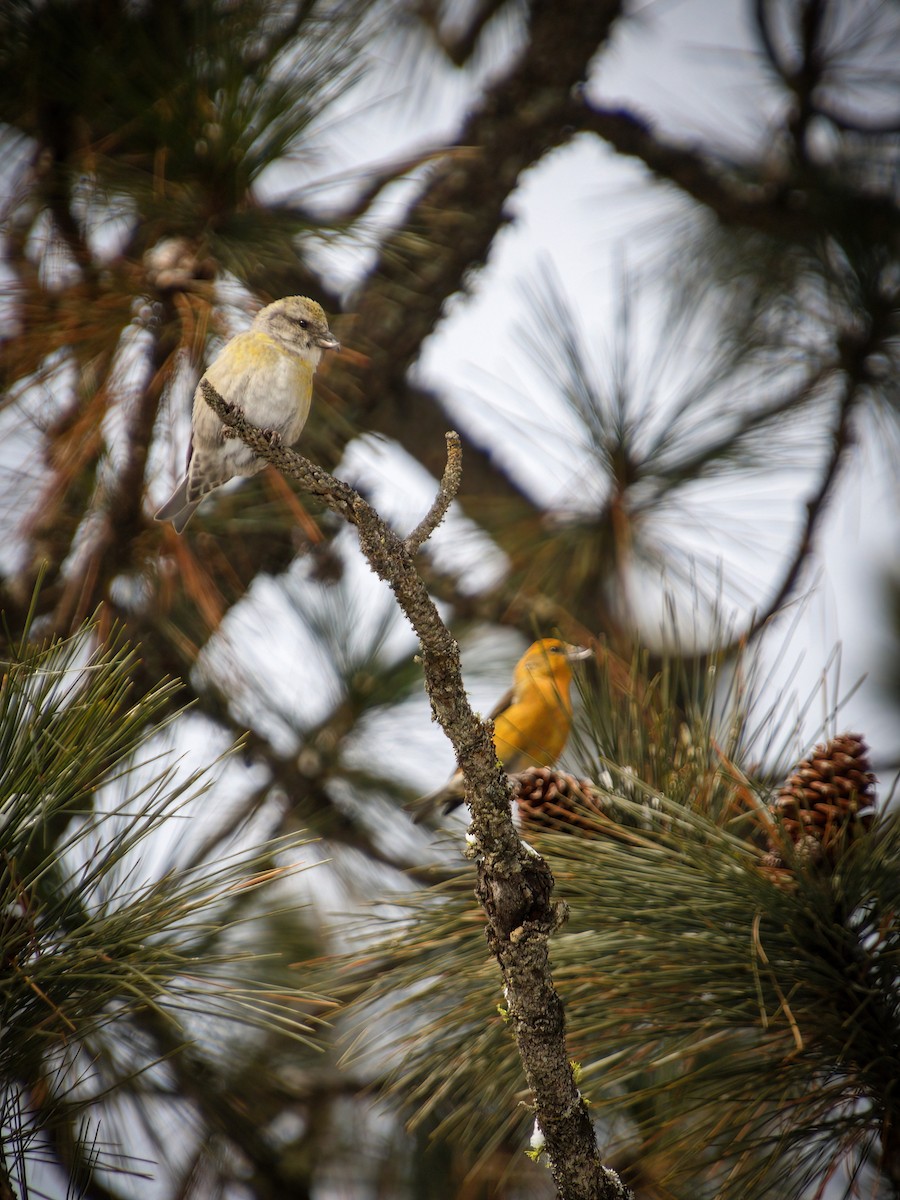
(594, 219)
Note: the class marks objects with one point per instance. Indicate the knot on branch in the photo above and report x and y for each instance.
(518, 899)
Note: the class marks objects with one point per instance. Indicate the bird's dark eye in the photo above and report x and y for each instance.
(303, 323)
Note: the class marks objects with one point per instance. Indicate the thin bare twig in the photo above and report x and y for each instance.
(855, 357)
(448, 492)
(515, 884)
(815, 510)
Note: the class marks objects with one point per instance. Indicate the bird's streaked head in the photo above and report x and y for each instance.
(299, 324)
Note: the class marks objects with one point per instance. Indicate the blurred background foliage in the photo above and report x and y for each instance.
(650, 466)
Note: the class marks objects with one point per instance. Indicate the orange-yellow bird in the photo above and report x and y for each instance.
(531, 722)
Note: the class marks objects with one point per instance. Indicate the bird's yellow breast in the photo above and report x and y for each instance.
(272, 385)
(256, 352)
(534, 729)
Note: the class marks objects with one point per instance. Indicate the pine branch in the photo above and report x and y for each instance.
(515, 884)
(755, 206)
(75, 1156)
(448, 231)
(791, 210)
(856, 354)
(224, 1111)
(112, 546)
(802, 79)
(460, 42)
(276, 41)
(305, 797)
(841, 441)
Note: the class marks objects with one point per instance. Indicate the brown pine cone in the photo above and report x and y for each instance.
(828, 799)
(552, 801)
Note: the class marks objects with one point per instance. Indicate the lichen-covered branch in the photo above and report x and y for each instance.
(447, 492)
(515, 885)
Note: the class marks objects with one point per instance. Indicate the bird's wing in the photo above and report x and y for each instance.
(447, 797)
(502, 704)
(517, 742)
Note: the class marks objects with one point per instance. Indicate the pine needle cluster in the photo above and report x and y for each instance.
(736, 1036)
(117, 945)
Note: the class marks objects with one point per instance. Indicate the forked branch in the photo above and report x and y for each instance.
(514, 883)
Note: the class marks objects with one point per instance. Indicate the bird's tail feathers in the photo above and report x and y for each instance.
(448, 797)
(178, 509)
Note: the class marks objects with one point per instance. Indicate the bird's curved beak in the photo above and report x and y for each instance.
(578, 653)
(327, 341)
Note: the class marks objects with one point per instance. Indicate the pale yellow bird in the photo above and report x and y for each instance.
(531, 722)
(267, 372)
